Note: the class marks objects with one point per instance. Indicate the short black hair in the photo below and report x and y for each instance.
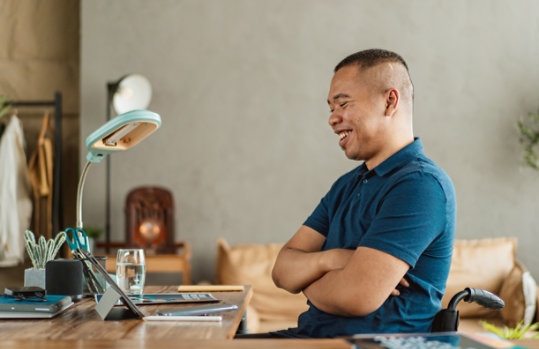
(371, 57)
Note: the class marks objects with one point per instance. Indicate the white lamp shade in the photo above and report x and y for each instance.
(134, 92)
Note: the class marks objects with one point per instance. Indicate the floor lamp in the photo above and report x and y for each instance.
(130, 92)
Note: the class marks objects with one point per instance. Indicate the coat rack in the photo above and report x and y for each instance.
(57, 214)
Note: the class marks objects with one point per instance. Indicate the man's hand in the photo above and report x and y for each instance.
(404, 283)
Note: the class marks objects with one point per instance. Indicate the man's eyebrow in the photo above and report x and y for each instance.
(338, 96)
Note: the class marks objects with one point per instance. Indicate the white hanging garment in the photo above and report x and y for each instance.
(15, 194)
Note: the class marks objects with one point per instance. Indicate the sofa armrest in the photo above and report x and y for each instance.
(253, 319)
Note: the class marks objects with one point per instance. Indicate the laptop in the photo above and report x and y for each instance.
(107, 301)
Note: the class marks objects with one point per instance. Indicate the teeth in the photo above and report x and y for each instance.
(344, 134)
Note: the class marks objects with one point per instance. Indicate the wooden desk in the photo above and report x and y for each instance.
(81, 322)
(526, 343)
(187, 343)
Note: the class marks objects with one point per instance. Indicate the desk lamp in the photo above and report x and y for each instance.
(117, 134)
(130, 92)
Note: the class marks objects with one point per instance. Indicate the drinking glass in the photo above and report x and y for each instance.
(131, 270)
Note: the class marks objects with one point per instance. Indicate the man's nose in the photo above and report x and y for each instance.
(334, 118)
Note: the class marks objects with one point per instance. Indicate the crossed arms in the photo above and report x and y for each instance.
(337, 281)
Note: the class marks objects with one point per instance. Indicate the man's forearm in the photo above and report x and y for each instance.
(301, 261)
(332, 294)
(295, 269)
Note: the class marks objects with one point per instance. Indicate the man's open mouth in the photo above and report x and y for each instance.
(342, 135)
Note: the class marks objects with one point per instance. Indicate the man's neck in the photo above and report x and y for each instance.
(388, 152)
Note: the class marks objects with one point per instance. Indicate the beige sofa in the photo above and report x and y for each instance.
(489, 264)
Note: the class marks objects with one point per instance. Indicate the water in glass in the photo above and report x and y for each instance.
(130, 271)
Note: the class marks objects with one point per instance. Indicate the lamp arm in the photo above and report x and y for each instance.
(79, 194)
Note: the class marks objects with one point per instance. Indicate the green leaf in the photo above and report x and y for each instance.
(4, 108)
(58, 242)
(30, 237)
(529, 139)
(510, 333)
(50, 250)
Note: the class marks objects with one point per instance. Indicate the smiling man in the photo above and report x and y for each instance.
(374, 255)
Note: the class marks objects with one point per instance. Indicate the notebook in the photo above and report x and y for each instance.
(105, 306)
(11, 308)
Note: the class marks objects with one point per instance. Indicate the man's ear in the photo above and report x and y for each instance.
(392, 102)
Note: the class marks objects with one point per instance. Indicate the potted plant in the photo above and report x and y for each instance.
(529, 139)
(40, 252)
(93, 234)
(4, 106)
(518, 332)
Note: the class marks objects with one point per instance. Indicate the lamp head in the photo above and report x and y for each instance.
(131, 92)
(121, 133)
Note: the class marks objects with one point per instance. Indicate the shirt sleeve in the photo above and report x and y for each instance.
(319, 219)
(412, 214)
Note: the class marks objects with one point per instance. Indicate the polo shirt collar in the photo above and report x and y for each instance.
(396, 160)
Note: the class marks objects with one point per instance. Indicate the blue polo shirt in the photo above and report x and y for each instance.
(405, 207)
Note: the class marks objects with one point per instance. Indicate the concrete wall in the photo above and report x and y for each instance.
(39, 55)
(241, 87)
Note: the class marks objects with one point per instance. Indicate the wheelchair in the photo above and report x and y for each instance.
(447, 320)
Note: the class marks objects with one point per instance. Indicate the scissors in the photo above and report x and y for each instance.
(79, 239)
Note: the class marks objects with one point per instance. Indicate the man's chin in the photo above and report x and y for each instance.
(351, 156)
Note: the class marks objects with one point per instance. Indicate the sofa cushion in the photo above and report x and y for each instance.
(251, 264)
(482, 263)
(518, 293)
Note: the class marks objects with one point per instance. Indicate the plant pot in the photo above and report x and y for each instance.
(34, 277)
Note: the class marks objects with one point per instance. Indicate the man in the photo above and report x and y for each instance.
(374, 256)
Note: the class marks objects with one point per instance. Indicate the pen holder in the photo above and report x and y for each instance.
(92, 286)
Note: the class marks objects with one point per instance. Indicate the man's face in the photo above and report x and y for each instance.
(357, 113)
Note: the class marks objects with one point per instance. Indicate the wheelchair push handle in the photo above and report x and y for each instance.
(479, 296)
(448, 319)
